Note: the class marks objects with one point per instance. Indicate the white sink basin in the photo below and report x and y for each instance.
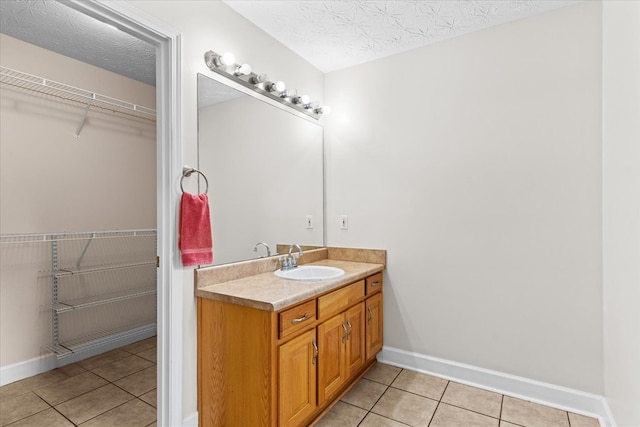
(310, 273)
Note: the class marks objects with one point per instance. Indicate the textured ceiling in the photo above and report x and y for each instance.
(56, 27)
(329, 34)
(333, 35)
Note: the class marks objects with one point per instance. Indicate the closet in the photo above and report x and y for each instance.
(78, 209)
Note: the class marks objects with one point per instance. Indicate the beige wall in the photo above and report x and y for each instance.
(51, 182)
(621, 225)
(211, 25)
(476, 162)
(103, 180)
(501, 267)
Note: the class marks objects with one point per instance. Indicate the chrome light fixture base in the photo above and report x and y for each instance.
(243, 74)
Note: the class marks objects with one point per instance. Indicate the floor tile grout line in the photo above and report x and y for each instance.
(110, 409)
(415, 394)
(439, 402)
(374, 403)
(470, 410)
(50, 406)
(30, 415)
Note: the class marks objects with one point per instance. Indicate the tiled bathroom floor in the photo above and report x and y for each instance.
(388, 396)
(117, 388)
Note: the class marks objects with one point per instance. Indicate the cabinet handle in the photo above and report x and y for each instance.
(376, 283)
(315, 351)
(370, 315)
(300, 319)
(350, 329)
(344, 336)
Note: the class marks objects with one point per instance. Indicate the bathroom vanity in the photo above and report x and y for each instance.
(278, 352)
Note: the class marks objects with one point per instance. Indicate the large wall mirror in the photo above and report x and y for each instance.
(265, 170)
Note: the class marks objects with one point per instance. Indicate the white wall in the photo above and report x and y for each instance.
(211, 25)
(621, 222)
(52, 182)
(476, 163)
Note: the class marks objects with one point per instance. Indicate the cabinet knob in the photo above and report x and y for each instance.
(350, 328)
(376, 283)
(370, 315)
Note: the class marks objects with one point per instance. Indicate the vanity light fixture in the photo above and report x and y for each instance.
(257, 79)
(243, 74)
(289, 93)
(212, 59)
(275, 87)
(242, 70)
(325, 109)
(304, 100)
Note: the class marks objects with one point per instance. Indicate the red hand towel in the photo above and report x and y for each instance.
(195, 240)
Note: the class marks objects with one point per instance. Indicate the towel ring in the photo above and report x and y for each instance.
(187, 171)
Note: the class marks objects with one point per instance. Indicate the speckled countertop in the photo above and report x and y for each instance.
(266, 291)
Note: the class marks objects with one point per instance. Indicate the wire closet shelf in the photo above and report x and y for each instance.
(41, 85)
(102, 287)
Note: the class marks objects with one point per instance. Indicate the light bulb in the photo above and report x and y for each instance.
(275, 87)
(258, 79)
(289, 93)
(323, 110)
(243, 70)
(304, 99)
(227, 58)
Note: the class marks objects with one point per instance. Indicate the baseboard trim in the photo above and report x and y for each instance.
(523, 388)
(27, 368)
(191, 420)
(49, 361)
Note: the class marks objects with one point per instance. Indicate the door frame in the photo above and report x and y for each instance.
(169, 169)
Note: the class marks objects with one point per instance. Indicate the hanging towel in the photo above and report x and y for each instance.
(195, 240)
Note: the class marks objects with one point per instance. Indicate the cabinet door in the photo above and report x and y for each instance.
(355, 345)
(297, 379)
(332, 370)
(374, 325)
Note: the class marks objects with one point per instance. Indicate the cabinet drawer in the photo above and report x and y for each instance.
(374, 283)
(337, 301)
(297, 318)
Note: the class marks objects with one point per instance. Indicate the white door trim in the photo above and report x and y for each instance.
(169, 169)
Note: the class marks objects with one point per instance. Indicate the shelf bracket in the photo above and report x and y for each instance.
(84, 251)
(84, 117)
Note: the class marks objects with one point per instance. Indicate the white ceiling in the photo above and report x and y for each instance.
(338, 34)
(331, 35)
(59, 28)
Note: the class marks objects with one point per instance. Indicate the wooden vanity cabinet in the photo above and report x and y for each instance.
(297, 376)
(373, 314)
(341, 349)
(262, 368)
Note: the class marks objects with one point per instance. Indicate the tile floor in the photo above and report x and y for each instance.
(388, 396)
(117, 388)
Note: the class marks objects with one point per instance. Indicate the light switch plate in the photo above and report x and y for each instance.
(344, 222)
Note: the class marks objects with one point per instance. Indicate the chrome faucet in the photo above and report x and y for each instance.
(290, 261)
(255, 248)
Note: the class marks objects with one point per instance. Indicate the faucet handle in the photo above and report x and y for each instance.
(286, 262)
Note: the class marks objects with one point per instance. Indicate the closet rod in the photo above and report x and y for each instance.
(65, 236)
(44, 86)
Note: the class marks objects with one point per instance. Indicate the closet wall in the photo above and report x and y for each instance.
(52, 181)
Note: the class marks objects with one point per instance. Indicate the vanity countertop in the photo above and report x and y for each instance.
(268, 292)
